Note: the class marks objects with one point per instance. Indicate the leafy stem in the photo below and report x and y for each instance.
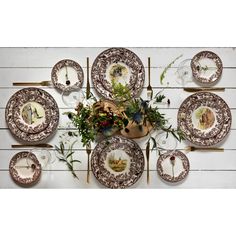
(162, 76)
(66, 156)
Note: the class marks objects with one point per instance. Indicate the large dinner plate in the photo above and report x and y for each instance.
(204, 118)
(117, 162)
(121, 65)
(32, 114)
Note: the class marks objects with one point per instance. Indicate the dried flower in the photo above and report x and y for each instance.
(172, 160)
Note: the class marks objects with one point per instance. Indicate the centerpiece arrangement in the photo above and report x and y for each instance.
(128, 116)
(119, 116)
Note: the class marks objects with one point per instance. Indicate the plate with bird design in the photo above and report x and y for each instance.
(32, 114)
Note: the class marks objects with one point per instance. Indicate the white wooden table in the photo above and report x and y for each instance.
(207, 170)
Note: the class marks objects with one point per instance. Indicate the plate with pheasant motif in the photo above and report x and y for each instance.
(117, 162)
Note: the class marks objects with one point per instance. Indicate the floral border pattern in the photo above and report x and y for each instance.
(10, 113)
(182, 175)
(206, 139)
(211, 55)
(122, 180)
(114, 55)
(59, 66)
(14, 174)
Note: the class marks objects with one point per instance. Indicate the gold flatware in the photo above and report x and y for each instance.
(42, 83)
(88, 150)
(214, 149)
(43, 145)
(147, 157)
(149, 87)
(192, 90)
(88, 84)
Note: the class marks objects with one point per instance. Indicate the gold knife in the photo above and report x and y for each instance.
(147, 156)
(192, 90)
(44, 145)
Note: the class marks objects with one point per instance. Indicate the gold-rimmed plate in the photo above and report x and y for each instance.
(121, 66)
(117, 162)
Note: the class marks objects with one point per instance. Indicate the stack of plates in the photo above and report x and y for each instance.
(121, 66)
(32, 115)
(204, 118)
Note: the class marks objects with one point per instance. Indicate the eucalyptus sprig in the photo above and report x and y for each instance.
(66, 156)
(162, 76)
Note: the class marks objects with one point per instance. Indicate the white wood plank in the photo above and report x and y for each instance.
(176, 96)
(47, 57)
(64, 179)
(10, 75)
(198, 160)
(8, 140)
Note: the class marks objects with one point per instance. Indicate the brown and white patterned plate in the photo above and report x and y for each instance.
(32, 114)
(207, 67)
(204, 118)
(173, 166)
(25, 169)
(117, 162)
(120, 65)
(67, 75)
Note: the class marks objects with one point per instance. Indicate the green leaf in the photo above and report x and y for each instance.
(154, 143)
(62, 147)
(162, 76)
(75, 161)
(70, 154)
(69, 166)
(58, 149)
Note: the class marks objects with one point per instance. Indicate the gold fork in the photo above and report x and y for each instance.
(88, 150)
(42, 83)
(149, 87)
(214, 149)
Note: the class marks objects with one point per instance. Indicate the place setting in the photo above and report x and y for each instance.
(204, 69)
(118, 130)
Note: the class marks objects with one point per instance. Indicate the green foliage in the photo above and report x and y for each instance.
(120, 92)
(159, 98)
(66, 156)
(162, 76)
(83, 123)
